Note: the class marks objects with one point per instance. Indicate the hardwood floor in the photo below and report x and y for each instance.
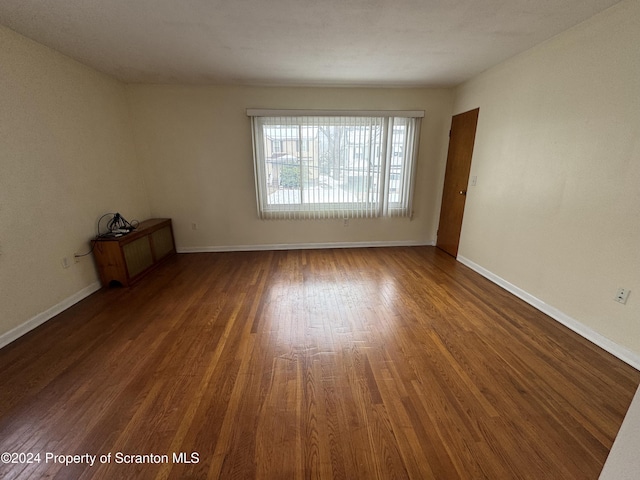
(345, 364)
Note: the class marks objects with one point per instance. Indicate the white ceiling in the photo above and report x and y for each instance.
(294, 42)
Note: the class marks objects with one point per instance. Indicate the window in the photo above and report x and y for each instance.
(351, 164)
(276, 146)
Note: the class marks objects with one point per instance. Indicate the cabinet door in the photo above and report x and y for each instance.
(137, 256)
(162, 242)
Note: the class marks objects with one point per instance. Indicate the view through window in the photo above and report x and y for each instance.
(324, 166)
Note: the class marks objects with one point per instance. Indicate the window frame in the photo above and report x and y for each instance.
(387, 149)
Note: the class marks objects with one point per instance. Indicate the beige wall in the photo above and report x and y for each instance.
(66, 157)
(195, 148)
(556, 209)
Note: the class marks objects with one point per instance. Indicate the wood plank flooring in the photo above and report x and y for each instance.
(342, 364)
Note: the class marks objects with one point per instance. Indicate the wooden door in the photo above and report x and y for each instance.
(454, 194)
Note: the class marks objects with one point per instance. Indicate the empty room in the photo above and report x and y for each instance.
(338, 240)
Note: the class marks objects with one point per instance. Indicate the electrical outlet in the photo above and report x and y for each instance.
(65, 262)
(474, 180)
(621, 295)
(194, 226)
(345, 222)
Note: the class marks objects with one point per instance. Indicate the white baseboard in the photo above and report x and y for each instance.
(302, 246)
(17, 332)
(603, 342)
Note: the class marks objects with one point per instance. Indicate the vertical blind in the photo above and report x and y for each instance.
(312, 165)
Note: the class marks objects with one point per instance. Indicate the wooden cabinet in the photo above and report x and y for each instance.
(125, 260)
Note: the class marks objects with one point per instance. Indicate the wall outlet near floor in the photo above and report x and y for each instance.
(194, 226)
(621, 295)
(345, 222)
(65, 262)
